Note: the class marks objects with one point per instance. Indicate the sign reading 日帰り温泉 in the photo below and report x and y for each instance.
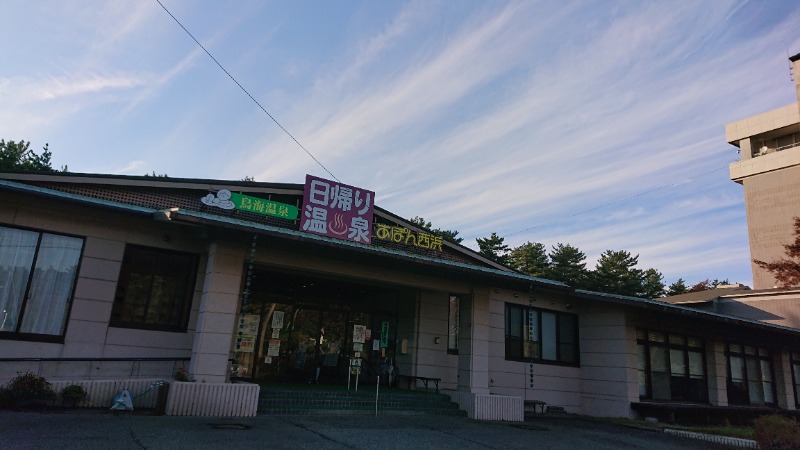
(337, 210)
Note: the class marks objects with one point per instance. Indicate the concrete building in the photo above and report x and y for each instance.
(778, 306)
(769, 171)
(112, 281)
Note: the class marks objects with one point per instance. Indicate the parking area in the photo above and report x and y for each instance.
(90, 429)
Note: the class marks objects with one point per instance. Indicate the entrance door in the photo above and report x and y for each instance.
(300, 329)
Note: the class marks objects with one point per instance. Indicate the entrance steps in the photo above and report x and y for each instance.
(332, 400)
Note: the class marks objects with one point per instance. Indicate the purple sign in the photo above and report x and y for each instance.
(337, 210)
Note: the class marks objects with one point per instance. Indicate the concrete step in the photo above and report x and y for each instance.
(317, 400)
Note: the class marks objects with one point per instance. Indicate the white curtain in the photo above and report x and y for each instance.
(17, 248)
(51, 287)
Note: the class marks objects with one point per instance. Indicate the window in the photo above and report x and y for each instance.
(671, 367)
(750, 375)
(37, 280)
(453, 325)
(796, 377)
(541, 335)
(155, 289)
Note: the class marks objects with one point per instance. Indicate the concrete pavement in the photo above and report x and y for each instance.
(92, 429)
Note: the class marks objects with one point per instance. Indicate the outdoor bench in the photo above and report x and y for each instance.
(414, 378)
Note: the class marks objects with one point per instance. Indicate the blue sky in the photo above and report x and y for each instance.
(598, 124)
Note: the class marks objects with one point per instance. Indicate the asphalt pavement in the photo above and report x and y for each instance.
(98, 429)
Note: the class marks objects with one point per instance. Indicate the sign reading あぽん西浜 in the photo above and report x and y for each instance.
(337, 210)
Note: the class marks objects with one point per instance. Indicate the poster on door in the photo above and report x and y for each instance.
(245, 343)
(359, 334)
(248, 324)
(277, 319)
(274, 347)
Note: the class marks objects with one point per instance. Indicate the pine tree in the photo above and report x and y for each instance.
(531, 259)
(493, 248)
(19, 156)
(616, 273)
(677, 288)
(568, 265)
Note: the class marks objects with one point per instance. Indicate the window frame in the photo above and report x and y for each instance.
(669, 345)
(532, 317)
(794, 362)
(187, 297)
(758, 358)
(453, 332)
(40, 337)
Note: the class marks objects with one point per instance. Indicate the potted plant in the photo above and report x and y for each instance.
(29, 389)
(72, 395)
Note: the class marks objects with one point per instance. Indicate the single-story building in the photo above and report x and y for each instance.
(106, 278)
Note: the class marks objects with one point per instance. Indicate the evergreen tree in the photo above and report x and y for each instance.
(677, 288)
(493, 248)
(19, 156)
(568, 265)
(653, 284)
(616, 273)
(530, 258)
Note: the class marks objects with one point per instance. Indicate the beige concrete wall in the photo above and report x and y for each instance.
(716, 372)
(217, 312)
(556, 385)
(762, 123)
(87, 333)
(431, 358)
(779, 309)
(772, 200)
(609, 362)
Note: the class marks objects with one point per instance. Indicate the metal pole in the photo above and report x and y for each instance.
(377, 387)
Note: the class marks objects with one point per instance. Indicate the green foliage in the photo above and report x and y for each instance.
(531, 259)
(616, 273)
(181, 375)
(493, 248)
(677, 288)
(19, 156)
(786, 271)
(74, 391)
(776, 432)
(652, 284)
(450, 235)
(568, 265)
(30, 386)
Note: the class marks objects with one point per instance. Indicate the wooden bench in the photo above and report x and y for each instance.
(425, 380)
(535, 405)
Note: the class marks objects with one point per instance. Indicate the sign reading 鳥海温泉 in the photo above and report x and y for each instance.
(337, 210)
(226, 199)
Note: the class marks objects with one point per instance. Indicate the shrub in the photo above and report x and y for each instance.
(776, 433)
(73, 391)
(30, 386)
(6, 399)
(181, 375)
